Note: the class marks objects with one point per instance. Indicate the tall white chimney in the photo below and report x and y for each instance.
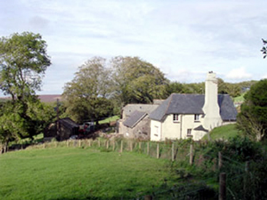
(211, 108)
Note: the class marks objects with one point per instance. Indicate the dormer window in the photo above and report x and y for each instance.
(175, 117)
(197, 117)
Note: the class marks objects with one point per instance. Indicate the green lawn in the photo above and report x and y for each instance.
(240, 98)
(79, 173)
(223, 132)
(110, 119)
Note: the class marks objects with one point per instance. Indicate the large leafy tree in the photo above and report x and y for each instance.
(23, 62)
(87, 94)
(253, 117)
(232, 89)
(137, 81)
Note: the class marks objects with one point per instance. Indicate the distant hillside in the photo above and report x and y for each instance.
(46, 98)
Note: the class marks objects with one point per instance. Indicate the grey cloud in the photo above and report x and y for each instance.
(38, 22)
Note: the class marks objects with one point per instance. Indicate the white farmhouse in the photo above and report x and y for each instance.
(183, 116)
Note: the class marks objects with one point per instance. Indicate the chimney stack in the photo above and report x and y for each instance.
(211, 108)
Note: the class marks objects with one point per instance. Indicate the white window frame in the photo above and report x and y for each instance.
(189, 132)
(197, 117)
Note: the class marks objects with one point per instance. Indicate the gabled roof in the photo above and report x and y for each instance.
(228, 111)
(134, 118)
(192, 104)
(69, 123)
(147, 108)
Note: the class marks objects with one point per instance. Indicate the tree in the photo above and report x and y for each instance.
(23, 61)
(87, 94)
(232, 89)
(136, 81)
(253, 117)
(264, 50)
(183, 88)
(173, 87)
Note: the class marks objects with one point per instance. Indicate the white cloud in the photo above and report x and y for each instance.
(264, 76)
(238, 74)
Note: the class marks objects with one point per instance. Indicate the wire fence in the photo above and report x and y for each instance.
(240, 182)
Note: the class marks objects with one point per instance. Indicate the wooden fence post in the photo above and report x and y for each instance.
(121, 146)
(172, 151)
(222, 191)
(140, 144)
(113, 148)
(220, 160)
(99, 143)
(191, 155)
(107, 144)
(131, 145)
(147, 148)
(157, 150)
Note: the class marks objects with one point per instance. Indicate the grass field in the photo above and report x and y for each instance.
(223, 132)
(239, 98)
(110, 119)
(79, 173)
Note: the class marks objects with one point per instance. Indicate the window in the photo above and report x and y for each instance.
(197, 116)
(175, 117)
(189, 132)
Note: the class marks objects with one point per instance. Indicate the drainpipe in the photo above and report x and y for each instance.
(181, 127)
(161, 131)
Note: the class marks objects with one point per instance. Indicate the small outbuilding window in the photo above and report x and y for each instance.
(175, 117)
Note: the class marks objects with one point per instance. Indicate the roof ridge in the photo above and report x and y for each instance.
(169, 103)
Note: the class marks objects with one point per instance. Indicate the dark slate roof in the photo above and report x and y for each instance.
(69, 123)
(228, 111)
(130, 108)
(134, 118)
(201, 128)
(192, 104)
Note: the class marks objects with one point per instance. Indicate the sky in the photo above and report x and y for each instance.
(183, 38)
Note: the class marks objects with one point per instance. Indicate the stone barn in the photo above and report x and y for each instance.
(61, 129)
